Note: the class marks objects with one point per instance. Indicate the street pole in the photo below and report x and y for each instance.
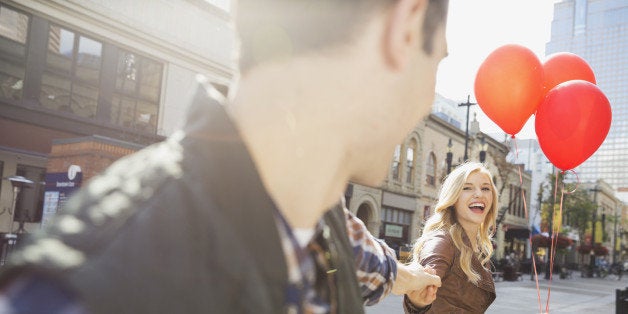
(593, 223)
(548, 265)
(615, 238)
(466, 133)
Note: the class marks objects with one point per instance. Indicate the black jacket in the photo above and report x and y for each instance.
(183, 226)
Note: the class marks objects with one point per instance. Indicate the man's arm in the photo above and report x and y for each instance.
(34, 293)
(377, 267)
(375, 262)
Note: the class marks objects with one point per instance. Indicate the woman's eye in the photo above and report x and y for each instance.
(486, 189)
(466, 188)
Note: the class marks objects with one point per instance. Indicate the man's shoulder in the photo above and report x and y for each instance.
(95, 214)
(128, 181)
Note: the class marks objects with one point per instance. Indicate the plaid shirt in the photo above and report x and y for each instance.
(311, 283)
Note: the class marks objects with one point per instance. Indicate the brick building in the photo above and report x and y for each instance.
(83, 83)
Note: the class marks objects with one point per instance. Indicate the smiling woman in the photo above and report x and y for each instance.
(456, 243)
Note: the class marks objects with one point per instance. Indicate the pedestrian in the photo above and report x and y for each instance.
(456, 243)
(241, 211)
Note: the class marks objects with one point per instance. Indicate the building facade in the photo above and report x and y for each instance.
(396, 210)
(85, 82)
(607, 228)
(597, 30)
(111, 72)
(531, 155)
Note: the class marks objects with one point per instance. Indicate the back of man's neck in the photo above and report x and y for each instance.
(301, 165)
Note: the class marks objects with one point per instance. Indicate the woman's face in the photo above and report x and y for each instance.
(475, 200)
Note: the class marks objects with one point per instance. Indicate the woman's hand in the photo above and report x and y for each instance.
(417, 282)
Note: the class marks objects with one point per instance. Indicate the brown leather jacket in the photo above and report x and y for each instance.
(457, 294)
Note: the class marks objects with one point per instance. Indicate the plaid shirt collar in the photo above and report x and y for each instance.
(311, 286)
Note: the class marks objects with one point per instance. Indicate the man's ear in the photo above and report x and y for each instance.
(403, 32)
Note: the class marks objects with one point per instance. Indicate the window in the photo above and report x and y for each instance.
(430, 170)
(395, 165)
(13, 34)
(410, 162)
(71, 79)
(398, 216)
(426, 212)
(135, 102)
(515, 204)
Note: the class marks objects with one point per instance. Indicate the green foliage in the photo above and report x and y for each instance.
(577, 206)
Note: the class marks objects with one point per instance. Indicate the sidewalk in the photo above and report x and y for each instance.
(575, 295)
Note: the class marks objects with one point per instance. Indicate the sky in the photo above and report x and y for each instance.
(476, 28)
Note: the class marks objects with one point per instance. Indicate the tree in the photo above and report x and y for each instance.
(578, 210)
(577, 206)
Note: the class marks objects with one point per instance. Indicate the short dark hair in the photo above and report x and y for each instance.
(271, 29)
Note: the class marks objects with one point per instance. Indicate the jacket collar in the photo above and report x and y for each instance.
(213, 141)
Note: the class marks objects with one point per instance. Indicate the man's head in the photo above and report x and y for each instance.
(363, 71)
(270, 29)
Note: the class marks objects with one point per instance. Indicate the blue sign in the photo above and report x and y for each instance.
(59, 187)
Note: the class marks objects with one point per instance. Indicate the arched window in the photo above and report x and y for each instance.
(410, 161)
(395, 164)
(426, 212)
(430, 170)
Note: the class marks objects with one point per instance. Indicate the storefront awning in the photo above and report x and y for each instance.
(516, 232)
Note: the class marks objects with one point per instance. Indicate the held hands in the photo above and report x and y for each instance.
(419, 283)
(423, 297)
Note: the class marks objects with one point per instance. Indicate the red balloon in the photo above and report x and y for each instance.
(509, 86)
(565, 66)
(572, 123)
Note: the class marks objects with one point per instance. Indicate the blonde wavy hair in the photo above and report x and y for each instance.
(444, 219)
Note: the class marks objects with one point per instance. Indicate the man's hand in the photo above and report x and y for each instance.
(413, 279)
(418, 283)
(423, 297)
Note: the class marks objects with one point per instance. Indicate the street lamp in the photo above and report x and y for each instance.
(450, 156)
(593, 231)
(615, 236)
(18, 183)
(483, 148)
(9, 239)
(466, 134)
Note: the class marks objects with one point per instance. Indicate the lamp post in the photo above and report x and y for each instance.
(9, 239)
(466, 133)
(483, 148)
(548, 265)
(450, 156)
(615, 237)
(18, 183)
(593, 223)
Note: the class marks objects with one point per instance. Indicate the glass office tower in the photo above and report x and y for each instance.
(597, 30)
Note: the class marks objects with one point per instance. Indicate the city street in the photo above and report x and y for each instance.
(575, 295)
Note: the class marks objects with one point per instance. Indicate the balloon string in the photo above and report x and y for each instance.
(552, 254)
(577, 182)
(536, 275)
(514, 141)
(552, 247)
(525, 210)
(556, 226)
